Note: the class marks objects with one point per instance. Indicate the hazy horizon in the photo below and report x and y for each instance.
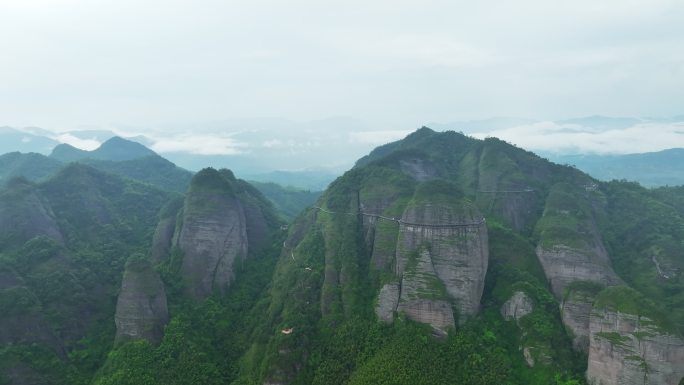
(213, 78)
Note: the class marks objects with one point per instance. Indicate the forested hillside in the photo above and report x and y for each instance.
(437, 259)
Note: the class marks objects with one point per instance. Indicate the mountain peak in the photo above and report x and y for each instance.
(114, 149)
(118, 149)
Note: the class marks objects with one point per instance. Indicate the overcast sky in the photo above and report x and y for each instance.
(147, 66)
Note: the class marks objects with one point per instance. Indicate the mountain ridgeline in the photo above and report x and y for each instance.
(437, 259)
(460, 234)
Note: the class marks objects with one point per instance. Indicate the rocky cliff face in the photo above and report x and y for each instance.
(626, 349)
(440, 265)
(141, 311)
(213, 237)
(575, 311)
(571, 252)
(564, 265)
(570, 246)
(458, 254)
(518, 306)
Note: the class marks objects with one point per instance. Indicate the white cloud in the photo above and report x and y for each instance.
(83, 144)
(377, 137)
(550, 136)
(199, 145)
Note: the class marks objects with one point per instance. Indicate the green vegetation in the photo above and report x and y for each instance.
(289, 201)
(32, 166)
(643, 227)
(301, 309)
(68, 290)
(627, 300)
(203, 342)
(567, 219)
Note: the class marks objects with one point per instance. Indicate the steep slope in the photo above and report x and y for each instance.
(403, 236)
(221, 219)
(117, 156)
(31, 166)
(141, 309)
(130, 159)
(289, 201)
(71, 236)
(212, 236)
(215, 251)
(25, 214)
(67, 153)
(629, 347)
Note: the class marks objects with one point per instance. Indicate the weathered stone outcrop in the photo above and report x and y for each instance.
(212, 239)
(423, 297)
(162, 239)
(570, 246)
(571, 251)
(518, 306)
(575, 310)
(213, 234)
(564, 265)
(141, 310)
(627, 349)
(534, 352)
(441, 266)
(388, 300)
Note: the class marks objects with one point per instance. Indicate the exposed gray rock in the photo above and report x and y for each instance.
(256, 227)
(571, 250)
(456, 257)
(141, 310)
(162, 239)
(213, 237)
(529, 359)
(388, 300)
(575, 310)
(563, 265)
(626, 349)
(423, 297)
(436, 313)
(535, 355)
(518, 306)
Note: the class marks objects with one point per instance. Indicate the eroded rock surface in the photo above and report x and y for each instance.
(141, 310)
(213, 237)
(564, 265)
(457, 256)
(388, 300)
(575, 310)
(626, 349)
(518, 306)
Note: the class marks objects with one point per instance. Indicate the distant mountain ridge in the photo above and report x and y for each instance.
(651, 169)
(114, 149)
(116, 155)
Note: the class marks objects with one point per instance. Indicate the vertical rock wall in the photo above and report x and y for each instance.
(626, 349)
(213, 237)
(141, 310)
